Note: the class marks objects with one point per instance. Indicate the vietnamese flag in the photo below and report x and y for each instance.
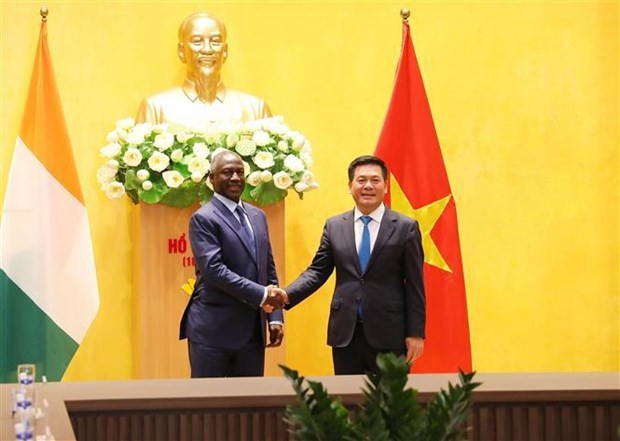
(420, 188)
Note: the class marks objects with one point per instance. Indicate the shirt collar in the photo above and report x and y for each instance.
(189, 89)
(376, 215)
(230, 204)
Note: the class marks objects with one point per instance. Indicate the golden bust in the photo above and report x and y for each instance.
(202, 100)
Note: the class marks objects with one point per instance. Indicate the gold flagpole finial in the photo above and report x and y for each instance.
(44, 11)
(405, 13)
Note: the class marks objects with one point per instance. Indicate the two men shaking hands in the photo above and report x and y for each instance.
(276, 299)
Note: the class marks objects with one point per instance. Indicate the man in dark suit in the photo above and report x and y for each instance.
(378, 303)
(235, 277)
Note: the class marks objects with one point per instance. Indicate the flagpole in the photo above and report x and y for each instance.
(44, 11)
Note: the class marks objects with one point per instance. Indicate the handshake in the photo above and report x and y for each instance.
(276, 299)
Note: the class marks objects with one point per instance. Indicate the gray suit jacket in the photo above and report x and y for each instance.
(230, 277)
(391, 289)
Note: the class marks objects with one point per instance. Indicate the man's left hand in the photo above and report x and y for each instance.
(276, 334)
(415, 348)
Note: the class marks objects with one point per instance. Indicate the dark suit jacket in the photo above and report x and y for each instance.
(230, 278)
(391, 289)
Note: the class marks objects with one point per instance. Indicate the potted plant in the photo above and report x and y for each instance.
(390, 411)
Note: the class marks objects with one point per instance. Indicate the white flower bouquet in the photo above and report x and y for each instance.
(169, 164)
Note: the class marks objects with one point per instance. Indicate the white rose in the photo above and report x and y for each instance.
(160, 128)
(293, 163)
(307, 178)
(253, 178)
(105, 174)
(135, 136)
(112, 136)
(231, 140)
(261, 138)
(113, 163)
(276, 125)
(307, 148)
(172, 178)
(266, 176)
(111, 150)
(158, 161)
(176, 155)
(282, 180)
(263, 160)
(298, 141)
(164, 141)
(183, 137)
(143, 174)
(251, 126)
(125, 124)
(201, 150)
(197, 176)
(121, 134)
(245, 147)
(198, 165)
(145, 128)
(307, 158)
(132, 157)
(246, 168)
(147, 185)
(114, 190)
(300, 187)
(283, 146)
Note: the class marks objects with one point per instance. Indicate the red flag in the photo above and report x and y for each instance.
(409, 146)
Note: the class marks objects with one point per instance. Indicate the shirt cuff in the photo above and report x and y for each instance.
(264, 298)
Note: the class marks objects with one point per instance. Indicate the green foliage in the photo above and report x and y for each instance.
(390, 411)
(316, 416)
(447, 413)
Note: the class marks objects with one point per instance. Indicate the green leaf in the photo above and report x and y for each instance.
(152, 196)
(131, 180)
(133, 195)
(188, 193)
(267, 193)
(182, 169)
(315, 416)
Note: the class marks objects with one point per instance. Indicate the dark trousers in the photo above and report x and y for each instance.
(358, 357)
(210, 362)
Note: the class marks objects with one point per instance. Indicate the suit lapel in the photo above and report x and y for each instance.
(349, 238)
(386, 229)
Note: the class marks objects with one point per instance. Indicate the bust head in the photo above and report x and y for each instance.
(202, 46)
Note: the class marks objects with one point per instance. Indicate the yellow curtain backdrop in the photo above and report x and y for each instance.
(525, 101)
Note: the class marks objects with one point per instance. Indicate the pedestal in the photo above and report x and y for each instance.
(163, 264)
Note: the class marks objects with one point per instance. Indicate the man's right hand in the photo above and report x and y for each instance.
(276, 299)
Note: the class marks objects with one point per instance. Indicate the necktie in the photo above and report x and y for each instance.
(245, 228)
(364, 250)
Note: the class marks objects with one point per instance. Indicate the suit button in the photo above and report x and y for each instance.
(362, 281)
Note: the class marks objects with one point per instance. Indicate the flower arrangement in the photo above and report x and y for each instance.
(169, 164)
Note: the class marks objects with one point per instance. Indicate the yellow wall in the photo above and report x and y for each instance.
(525, 99)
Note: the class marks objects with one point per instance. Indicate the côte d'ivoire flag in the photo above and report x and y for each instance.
(48, 285)
(419, 187)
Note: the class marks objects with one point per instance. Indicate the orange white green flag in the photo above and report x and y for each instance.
(48, 284)
(419, 187)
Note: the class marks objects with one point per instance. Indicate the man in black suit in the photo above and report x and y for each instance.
(379, 302)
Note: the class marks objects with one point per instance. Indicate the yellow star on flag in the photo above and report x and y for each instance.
(427, 217)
